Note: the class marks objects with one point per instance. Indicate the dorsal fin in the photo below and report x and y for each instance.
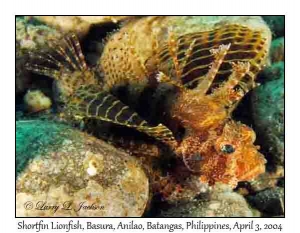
(194, 56)
(63, 56)
(64, 62)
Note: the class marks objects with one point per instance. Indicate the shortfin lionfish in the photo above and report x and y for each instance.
(184, 97)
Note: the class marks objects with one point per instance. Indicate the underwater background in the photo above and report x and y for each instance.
(167, 116)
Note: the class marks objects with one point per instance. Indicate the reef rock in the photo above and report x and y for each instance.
(269, 201)
(29, 38)
(69, 174)
(78, 24)
(268, 114)
(36, 101)
(220, 202)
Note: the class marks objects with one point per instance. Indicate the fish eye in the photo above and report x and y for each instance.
(227, 149)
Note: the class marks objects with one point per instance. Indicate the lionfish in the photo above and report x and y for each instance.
(184, 100)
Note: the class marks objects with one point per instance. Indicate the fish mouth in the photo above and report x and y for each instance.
(257, 169)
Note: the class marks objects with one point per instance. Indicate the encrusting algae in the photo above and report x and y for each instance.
(182, 95)
(71, 173)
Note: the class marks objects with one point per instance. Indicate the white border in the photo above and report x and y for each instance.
(150, 7)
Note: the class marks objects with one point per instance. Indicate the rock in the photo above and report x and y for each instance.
(80, 174)
(29, 38)
(269, 201)
(276, 23)
(23, 77)
(268, 115)
(78, 24)
(36, 101)
(30, 136)
(221, 202)
(277, 50)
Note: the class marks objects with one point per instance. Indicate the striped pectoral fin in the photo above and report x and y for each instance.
(106, 107)
(160, 132)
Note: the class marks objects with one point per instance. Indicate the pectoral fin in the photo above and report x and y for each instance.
(90, 103)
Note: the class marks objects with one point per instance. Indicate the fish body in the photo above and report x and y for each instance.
(181, 96)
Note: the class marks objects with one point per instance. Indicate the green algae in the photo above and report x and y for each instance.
(268, 113)
(276, 24)
(34, 136)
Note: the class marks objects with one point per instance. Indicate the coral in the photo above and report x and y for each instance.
(78, 24)
(73, 168)
(268, 114)
(221, 201)
(36, 101)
